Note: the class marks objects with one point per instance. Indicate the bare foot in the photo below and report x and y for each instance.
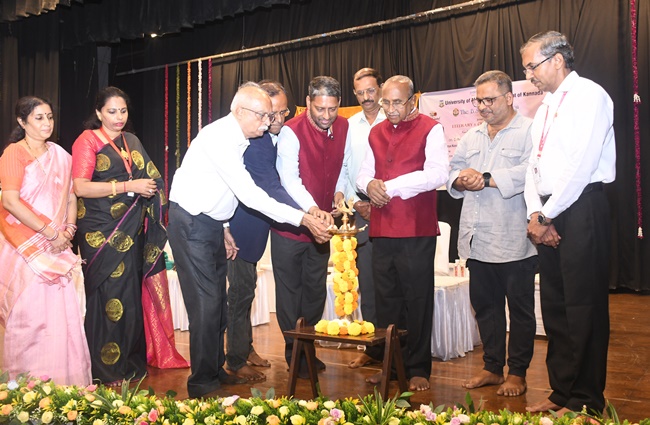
(249, 374)
(482, 379)
(254, 359)
(543, 406)
(418, 383)
(514, 386)
(374, 379)
(361, 361)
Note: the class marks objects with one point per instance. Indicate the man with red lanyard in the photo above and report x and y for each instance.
(573, 155)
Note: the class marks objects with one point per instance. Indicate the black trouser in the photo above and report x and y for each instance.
(489, 286)
(574, 294)
(242, 281)
(200, 258)
(404, 288)
(300, 272)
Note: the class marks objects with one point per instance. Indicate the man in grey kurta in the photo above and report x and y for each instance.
(488, 170)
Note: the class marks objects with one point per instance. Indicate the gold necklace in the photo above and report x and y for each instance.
(32, 153)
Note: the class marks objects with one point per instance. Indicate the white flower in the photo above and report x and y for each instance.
(98, 422)
(284, 410)
(464, 419)
(393, 421)
(229, 401)
(47, 389)
(302, 403)
(117, 403)
(545, 421)
(329, 404)
(257, 410)
(241, 420)
(12, 385)
(23, 416)
(47, 417)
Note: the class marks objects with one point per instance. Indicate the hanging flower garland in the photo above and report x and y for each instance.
(209, 91)
(178, 117)
(637, 129)
(189, 103)
(200, 95)
(166, 124)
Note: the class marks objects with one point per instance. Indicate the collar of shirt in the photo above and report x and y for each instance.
(553, 99)
(515, 122)
(360, 118)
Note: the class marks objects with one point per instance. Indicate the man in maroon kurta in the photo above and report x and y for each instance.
(311, 151)
(406, 162)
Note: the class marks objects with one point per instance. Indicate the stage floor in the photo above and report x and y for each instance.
(628, 380)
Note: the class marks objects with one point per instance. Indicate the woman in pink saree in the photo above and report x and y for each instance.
(44, 333)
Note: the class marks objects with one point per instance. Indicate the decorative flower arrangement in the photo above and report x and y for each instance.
(345, 282)
(40, 401)
(345, 279)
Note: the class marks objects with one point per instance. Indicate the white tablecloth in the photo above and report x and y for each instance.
(455, 331)
(263, 303)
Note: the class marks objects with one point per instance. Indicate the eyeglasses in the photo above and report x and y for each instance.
(397, 104)
(487, 101)
(283, 113)
(262, 115)
(532, 68)
(371, 92)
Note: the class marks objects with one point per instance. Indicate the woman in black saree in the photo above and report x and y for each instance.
(121, 236)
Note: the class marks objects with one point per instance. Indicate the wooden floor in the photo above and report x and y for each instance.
(628, 378)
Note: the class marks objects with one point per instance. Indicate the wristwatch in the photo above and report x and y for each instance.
(486, 179)
(541, 219)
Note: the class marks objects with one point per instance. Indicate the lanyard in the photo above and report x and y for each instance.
(124, 154)
(542, 139)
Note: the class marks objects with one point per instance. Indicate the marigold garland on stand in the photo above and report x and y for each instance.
(345, 280)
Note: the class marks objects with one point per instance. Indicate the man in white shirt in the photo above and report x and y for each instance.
(367, 88)
(406, 163)
(573, 155)
(312, 153)
(205, 192)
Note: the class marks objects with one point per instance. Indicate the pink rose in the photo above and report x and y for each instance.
(153, 415)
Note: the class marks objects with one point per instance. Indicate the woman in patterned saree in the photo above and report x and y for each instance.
(39, 308)
(121, 237)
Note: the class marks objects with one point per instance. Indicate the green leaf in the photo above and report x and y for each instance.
(256, 393)
(270, 394)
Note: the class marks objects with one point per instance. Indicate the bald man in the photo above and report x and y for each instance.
(205, 192)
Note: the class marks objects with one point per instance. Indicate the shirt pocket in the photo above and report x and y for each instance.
(511, 156)
(471, 153)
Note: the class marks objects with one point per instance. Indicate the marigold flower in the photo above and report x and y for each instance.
(332, 328)
(72, 415)
(354, 329)
(230, 410)
(3, 395)
(6, 409)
